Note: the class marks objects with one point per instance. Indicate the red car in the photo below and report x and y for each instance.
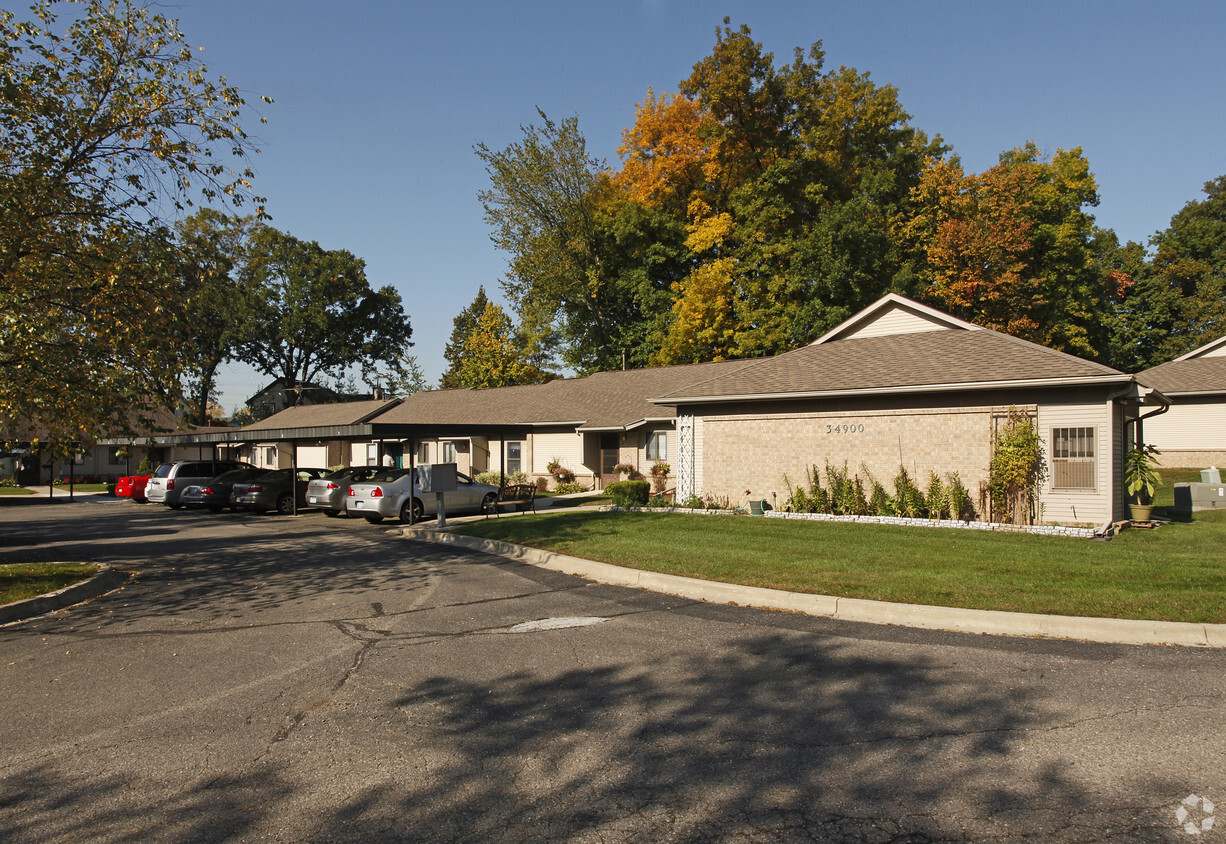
(132, 487)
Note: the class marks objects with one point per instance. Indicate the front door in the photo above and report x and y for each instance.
(608, 459)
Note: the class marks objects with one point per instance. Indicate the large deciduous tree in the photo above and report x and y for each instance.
(212, 248)
(1013, 248)
(311, 311)
(107, 124)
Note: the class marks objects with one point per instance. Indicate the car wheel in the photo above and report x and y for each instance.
(332, 514)
(285, 505)
(215, 508)
(418, 511)
(374, 520)
(175, 506)
(488, 503)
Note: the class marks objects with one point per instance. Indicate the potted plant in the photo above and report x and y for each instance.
(1140, 480)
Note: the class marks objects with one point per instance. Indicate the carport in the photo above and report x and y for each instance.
(367, 431)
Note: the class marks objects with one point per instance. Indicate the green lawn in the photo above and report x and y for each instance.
(19, 581)
(84, 487)
(15, 490)
(1175, 573)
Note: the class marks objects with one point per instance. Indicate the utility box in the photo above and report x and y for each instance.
(1200, 497)
(435, 477)
(1210, 475)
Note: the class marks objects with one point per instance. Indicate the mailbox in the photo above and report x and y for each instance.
(435, 477)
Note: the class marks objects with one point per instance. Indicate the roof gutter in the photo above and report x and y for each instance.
(921, 388)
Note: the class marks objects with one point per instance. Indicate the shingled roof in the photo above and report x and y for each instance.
(1200, 372)
(613, 400)
(339, 414)
(950, 358)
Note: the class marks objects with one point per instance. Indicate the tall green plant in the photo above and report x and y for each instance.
(1016, 470)
(908, 500)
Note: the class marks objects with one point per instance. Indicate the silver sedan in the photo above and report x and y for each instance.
(386, 495)
(328, 493)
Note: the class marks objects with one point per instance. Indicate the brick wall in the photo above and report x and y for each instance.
(753, 452)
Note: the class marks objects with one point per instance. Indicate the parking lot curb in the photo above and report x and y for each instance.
(1117, 631)
(104, 581)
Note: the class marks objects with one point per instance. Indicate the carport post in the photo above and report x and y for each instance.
(412, 476)
(293, 477)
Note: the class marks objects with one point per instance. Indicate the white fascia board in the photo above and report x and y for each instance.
(921, 388)
(630, 426)
(1201, 350)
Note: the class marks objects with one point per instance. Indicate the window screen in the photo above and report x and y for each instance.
(1073, 458)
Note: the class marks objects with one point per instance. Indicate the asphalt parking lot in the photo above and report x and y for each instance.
(311, 679)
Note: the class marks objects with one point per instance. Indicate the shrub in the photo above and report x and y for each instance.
(569, 489)
(937, 497)
(959, 499)
(8, 481)
(908, 500)
(629, 493)
(659, 501)
(513, 478)
(694, 502)
(1017, 469)
(542, 484)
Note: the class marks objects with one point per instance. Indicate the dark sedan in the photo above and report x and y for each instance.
(274, 490)
(215, 493)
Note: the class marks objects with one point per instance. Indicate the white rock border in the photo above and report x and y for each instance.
(1041, 530)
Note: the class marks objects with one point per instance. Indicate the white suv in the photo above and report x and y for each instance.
(170, 479)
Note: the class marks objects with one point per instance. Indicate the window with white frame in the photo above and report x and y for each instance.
(515, 462)
(372, 454)
(1073, 461)
(423, 453)
(657, 445)
(448, 451)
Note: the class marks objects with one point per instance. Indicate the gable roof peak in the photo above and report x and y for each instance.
(894, 314)
(1214, 348)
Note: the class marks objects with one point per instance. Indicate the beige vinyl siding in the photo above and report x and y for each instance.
(1089, 506)
(895, 321)
(1218, 352)
(566, 448)
(313, 456)
(1189, 427)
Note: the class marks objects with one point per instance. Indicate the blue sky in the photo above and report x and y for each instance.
(368, 146)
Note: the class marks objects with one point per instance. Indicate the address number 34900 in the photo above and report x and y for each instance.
(850, 428)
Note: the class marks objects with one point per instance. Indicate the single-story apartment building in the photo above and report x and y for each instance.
(903, 384)
(1192, 434)
(899, 383)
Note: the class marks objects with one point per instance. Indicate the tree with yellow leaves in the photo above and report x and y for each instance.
(108, 121)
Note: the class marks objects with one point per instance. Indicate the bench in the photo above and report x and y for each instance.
(519, 496)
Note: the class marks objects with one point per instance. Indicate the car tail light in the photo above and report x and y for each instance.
(206, 490)
(255, 488)
(170, 483)
(330, 485)
(377, 492)
(349, 491)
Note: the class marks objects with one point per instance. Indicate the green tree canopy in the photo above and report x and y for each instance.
(494, 354)
(311, 311)
(107, 122)
(212, 248)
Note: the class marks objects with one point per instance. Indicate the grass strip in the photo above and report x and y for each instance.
(19, 581)
(15, 490)
(1175, 573)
